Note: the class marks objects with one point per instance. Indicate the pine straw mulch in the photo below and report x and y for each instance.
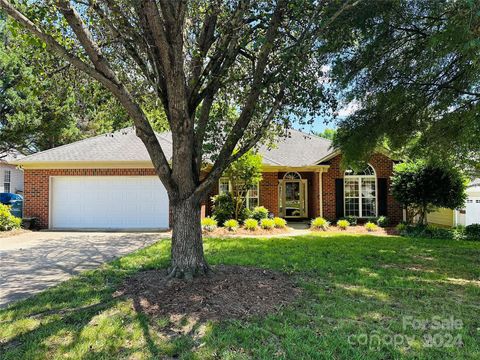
(229, 292)
(221, 231)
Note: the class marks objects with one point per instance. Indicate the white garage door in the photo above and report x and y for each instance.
(472, 211)
(108, 202)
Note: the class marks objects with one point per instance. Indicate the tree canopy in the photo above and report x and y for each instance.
(199, 59)
(413, 66)
(44, 101)
(422, 187)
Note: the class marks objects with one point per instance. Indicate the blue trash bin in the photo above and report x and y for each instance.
(15, 202)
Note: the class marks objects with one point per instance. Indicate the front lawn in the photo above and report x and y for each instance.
(364, 297)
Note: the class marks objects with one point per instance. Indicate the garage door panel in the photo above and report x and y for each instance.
(472, 211)
(123, 202)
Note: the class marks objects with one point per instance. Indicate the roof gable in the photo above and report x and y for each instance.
(295, 148)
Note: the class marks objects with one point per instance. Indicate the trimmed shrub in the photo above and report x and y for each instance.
(280, 223)
(472, 231)
(352, 220)
(370, 226)
(259, 212)
(320, 223)
(7, 220)
(223, 207)
(383, 221)
(251, 224)
(343, 224)
(401, 228)
(267, 224)
(231, 225)
(209, 224)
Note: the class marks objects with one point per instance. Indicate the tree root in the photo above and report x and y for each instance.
(188, 273)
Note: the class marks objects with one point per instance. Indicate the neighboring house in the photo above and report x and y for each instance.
(109, 182)
(469, 214)
(11, 178)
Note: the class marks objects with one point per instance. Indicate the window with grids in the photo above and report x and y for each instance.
(252, 198)
(360, 193)
(6, 181)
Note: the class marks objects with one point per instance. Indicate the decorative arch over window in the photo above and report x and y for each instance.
(292, 175)
(360, 193)
(368, 171)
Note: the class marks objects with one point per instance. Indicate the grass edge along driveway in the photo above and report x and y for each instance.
(364, 297)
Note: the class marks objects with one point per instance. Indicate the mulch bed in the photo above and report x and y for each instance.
(360, 229)
(230, 292)
(220, 231)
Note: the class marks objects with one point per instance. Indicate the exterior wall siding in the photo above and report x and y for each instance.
(16, 178)
(383, 168)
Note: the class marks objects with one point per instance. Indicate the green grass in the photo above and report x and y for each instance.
(356, 287)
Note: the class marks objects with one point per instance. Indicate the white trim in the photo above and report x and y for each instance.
(292, 172)
(320, 189)
(360, 197)
(247, 197)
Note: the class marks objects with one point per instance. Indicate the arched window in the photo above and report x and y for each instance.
(360, 193)
(293, 175)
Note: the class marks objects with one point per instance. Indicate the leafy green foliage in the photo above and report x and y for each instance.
(280, 223)
(44, 101)
(343, 224)
(209, 224)
(259, 213)
(267, 224)
(320, 223)
(7, 220)
(243, 174)
(370, 226)
(421, 187)
(436, 232)
(383, 221)
(472, 231)
(231, 225)
(352, 220)
(327, 134)
(413, 69)
(250, 224)
(223, 207)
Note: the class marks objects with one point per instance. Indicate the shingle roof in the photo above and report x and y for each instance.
(293, 149)
(9, 156)
(296, 149)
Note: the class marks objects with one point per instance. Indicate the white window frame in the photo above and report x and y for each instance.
(359, 178)
(7, 180)
(247, 197)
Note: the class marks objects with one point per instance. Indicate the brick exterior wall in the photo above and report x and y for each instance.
(383, 168)
(36, 186)
(269, 191)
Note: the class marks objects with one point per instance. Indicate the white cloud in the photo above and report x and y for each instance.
(348, 109)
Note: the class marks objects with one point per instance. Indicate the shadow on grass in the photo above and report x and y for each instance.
(353, 285)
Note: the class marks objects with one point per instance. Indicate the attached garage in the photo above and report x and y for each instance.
(108, 202)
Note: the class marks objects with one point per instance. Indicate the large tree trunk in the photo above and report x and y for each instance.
(187, 245)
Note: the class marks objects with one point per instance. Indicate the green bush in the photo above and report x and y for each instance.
(250, 224)
(401, 228)
(280, 223)
(472, 231)
(231, 225)
(267, 224)
(352, 220)
(259, 213)
(343, 224)
(7, 220)
(320, 223)
(370, 226)
(383, 221)
(209, 224)
(434, 232)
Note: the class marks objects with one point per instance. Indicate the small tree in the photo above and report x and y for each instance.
(243, 174)
(422, 187)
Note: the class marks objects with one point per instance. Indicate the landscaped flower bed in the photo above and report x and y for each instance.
(250, 226)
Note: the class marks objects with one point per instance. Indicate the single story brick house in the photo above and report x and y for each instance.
(108, 182)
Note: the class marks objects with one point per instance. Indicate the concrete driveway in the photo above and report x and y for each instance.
(33, 261)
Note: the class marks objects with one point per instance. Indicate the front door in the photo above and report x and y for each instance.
(293, 198)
